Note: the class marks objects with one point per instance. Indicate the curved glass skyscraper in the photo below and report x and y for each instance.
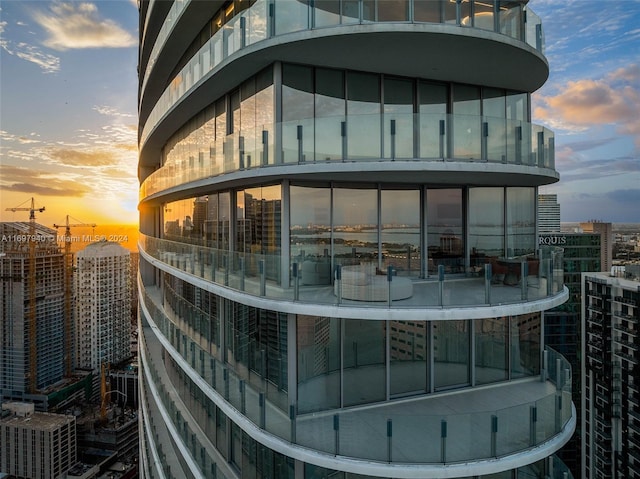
(340, 273)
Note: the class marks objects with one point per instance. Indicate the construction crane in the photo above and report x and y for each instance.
(68, 292)
(33, 325)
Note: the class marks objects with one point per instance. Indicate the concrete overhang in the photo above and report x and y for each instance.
(417, 172)
(430, 51)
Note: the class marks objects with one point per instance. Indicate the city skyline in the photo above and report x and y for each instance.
(68, 109)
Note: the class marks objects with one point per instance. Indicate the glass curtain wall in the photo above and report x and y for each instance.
(364, 361)
(297, 113)
(400, 231)
(432, 119)
(329, 100)
(363, 108)
(259, 218)
(398, 118)
(451, 353)
(466, 122)
(355, 227)
(445, 230)
(521, 222)
(310, 237)
(486, 225)
(409, 357)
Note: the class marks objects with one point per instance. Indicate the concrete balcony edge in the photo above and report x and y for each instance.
(368, 467)
(425, 313)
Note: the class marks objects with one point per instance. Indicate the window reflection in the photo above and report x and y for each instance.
(445, 238)
(451, 353)
(310, 236)
(400, 231)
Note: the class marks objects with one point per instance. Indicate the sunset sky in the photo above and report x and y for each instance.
(68, 92)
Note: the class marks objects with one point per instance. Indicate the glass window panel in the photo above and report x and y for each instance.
(427, 11)
(318, 363)
(445, 238)
(491, 341)
(494, 124)
(350, 11)
(451, 348)
(355, 226)
(291, 16)
(465, 14)
(248, 123)
(510, 18)
(483, 15)
(310, 219)
(466, 122)
(393, 10)
(329, 111)
(364, 361)
(486, 224)
(400, 231)
(409, 356)
(521, 221)
(326, 13)
(259, 228)
(363, 110)
(265, 115)
(297, 112)
(432, 118)
(398, 118)
(449, 12)
(525, 345)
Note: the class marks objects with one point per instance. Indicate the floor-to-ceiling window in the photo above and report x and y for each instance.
(491, 349)
(364, 361)
(445, 230)
(486, 225)
(310, 236)
(451, 353)
(400, 231)
(363, 109)
(398, 118)
(355, 226)
(409, 357)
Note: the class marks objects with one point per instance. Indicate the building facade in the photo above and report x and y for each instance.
(606, 231)
(610, 425)
(340, 273)
(25, 352)
(548, 214)
(103, 311)
(36, 444)
(563, 324)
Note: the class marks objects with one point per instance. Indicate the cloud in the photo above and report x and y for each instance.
(26, 180)
(48, 63)
(79, 25)
(78, 158)
(585, 103)
(110, 111)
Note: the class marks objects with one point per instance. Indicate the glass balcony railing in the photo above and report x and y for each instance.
(170, 21)
(269, 18)
(420, 137)
(430, 430)
(358, 283)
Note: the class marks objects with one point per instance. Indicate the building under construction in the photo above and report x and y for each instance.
(31, 294)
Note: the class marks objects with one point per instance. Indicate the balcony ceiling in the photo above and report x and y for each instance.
(430, 51)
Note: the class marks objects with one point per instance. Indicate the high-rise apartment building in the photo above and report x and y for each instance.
(31, 293)
(606, 231)
(103, 314)
(611, 384)
(365, 294)
(548, 214)
(562, 324)
(36, 444)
